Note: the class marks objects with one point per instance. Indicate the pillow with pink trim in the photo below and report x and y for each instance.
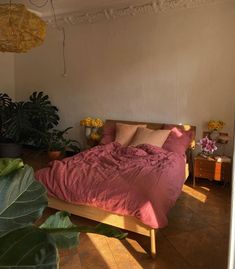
(178, 140)
(109, 134)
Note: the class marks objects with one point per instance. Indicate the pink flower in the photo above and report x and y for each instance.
(207, 145)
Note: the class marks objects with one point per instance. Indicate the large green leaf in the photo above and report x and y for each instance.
(66, 233)
(106, 230)
(22, 199)
(28, 247)
(8, 165)
(60, 224)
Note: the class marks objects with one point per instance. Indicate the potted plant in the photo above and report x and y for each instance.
(14, 123)
(58, 144)
(25, 123)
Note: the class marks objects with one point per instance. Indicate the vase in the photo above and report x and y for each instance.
(95, 130)
(214, 135)
(87, 131)
(205, 154)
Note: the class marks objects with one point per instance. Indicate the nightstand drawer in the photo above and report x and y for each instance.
(204, 174)
(210, 169)
(204, 164)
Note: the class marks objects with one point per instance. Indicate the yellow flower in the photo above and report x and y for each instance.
(86, 122)
(95, 136)
(215, 125)
(97, 123)
(90, 122)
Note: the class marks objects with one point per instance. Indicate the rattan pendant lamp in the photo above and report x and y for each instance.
(20, 29)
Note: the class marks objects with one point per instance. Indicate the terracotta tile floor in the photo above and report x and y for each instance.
(197, 237)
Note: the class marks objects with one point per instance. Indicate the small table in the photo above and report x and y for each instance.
(213, 169)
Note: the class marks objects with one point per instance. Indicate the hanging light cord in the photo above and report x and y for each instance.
(62, 29)
(59, 28)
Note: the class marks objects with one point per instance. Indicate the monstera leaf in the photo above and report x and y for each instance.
(22, 199)
(43, 114)
(28, 247)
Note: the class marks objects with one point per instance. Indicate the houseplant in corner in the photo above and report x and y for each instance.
(58, 144)
(25, 123)
(14, 124)
(23, 244)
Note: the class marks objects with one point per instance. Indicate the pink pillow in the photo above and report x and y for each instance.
(151, 137)
(179, 140)
(125, 133)
(108, 135)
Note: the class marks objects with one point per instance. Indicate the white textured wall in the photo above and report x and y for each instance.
(7, 74)
(177, 67)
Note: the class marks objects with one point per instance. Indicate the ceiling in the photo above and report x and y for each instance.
(67, 6)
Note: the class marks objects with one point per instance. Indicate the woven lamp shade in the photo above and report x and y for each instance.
(20, 29)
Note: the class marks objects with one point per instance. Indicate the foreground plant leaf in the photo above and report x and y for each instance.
(106, 230)
(28, 247)
(8, 165)
(60, 224)
(65, 233)
(22, 199)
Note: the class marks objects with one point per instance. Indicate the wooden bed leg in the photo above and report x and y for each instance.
(153, 242)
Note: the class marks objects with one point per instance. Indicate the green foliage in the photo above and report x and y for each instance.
(28, 247)
(22, 198)
(22, 201)
(59, 226)
(9, 165)
(57, 141)
(17, 126)
(27, 122)
(43, 115)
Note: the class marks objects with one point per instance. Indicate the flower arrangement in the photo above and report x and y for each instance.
(90, 122)
(92, 133)
(215, 125)
(208, 146)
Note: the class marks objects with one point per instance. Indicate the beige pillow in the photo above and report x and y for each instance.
(125, 133)
(148, 136)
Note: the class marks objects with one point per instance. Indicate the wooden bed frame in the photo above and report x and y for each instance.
(123, 222)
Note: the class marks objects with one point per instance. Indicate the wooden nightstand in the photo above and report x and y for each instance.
(212, 169)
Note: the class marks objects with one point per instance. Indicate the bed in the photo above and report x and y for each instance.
(110, 162)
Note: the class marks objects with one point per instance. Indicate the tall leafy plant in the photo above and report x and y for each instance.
(27, 122)
(5, 102)
(22, 201)
(43, 115)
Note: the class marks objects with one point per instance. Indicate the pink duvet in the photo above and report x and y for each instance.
(143, 182)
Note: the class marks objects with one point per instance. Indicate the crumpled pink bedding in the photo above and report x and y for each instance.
(143, 182)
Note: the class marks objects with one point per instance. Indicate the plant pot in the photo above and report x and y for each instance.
(55, 155)
(10, 150)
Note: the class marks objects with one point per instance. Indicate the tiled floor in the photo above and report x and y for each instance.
(197, 237)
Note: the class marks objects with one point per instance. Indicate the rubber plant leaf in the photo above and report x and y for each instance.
(28, 247)
(8, 165)
(65, 233)
(22, 199)
(59, 225)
